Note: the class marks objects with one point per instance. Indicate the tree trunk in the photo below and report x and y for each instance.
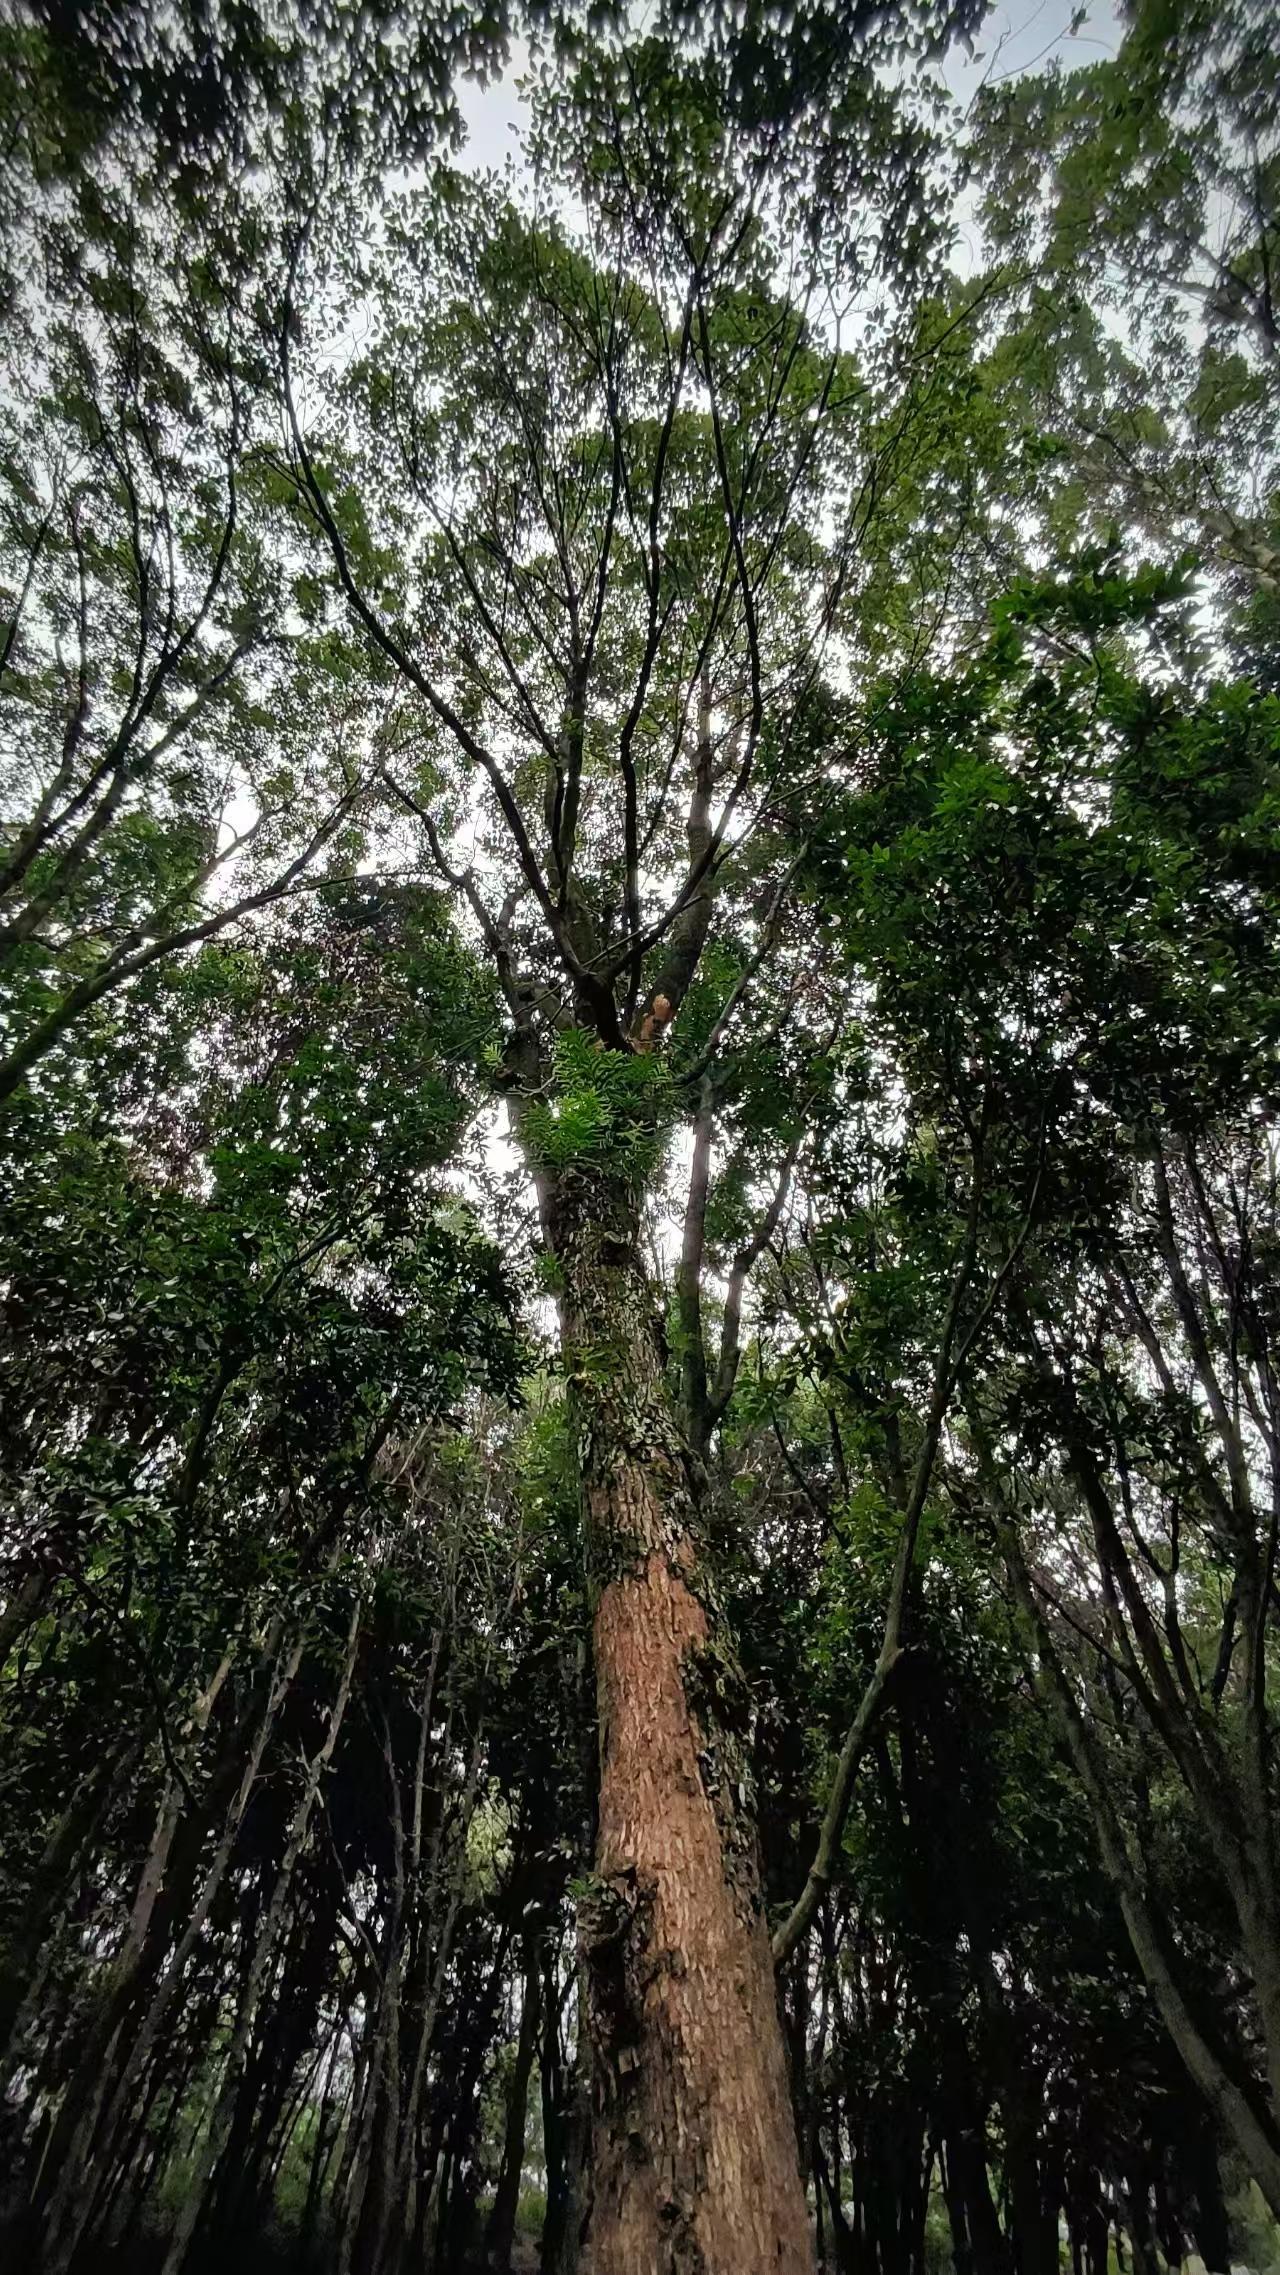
(1032, 2223)
(566, 2125)
(694, 2163)
(1248, 2125)
(506, 2202)
(1211, 2230)
(1020, 2097)
(254, 1980)
(139, 1992)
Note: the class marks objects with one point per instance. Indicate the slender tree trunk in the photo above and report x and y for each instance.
(365, 2183)
(506, 2202)
(1241, 2115)
(967, 2164)
(34, 1945)
(1034, 2232)
(322, 2150)
(389, 2245)
(1020, 2097)
(140, 1990)
(566, 2123)
(694, 2162)
(1211, 2230)
(1137, 2214)
(842, 2238)
(251, 1988)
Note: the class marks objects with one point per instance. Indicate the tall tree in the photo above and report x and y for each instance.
(597, 510)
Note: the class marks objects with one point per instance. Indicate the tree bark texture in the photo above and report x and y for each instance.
(694, 2168)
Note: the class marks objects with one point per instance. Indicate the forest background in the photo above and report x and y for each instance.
(640, 1449)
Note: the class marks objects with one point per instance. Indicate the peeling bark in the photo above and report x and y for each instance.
(694, 2168)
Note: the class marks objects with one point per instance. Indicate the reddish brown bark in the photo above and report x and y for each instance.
(694, 2168)
(694, 2164)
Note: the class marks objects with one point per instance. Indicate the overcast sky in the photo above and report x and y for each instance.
(1019, 35)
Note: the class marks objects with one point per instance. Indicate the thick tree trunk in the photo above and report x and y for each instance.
(693, 2163)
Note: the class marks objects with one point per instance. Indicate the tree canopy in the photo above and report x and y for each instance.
(640, 1239)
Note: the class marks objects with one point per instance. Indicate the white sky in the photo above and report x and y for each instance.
(1019, 35)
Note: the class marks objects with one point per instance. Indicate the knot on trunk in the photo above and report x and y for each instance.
(614, 1926)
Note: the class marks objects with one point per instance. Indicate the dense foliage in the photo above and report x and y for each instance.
(640, 1232)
